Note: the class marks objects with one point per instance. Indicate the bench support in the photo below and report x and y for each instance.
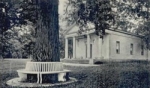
(61, 77)
(38, 78)
(22, 76)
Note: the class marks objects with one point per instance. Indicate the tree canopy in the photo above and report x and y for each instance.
(12, 28)
(97, 12)
(126, 15)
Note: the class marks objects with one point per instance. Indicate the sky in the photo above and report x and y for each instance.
(61, 6)
(61, 12)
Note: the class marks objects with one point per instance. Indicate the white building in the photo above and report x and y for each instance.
(116, 45)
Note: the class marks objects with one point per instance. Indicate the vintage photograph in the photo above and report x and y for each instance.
(74, 44)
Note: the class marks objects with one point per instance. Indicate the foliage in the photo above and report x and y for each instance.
(129, 14)
(144, 31)
(29, 12)
(144, 28)
(133, 16)
(19, 40)
(45, 25)
(8, 18)
(97, 12)
(44, 14)
(3, 26)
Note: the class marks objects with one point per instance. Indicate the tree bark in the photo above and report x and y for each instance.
(47, 32)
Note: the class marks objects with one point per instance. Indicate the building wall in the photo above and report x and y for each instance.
(105, 47)
(80, 48)
(95, 47)
(108, 46)
(125, 41)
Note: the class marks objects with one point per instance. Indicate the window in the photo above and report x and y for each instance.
(131, 49)
(142, 49)
(117, 47)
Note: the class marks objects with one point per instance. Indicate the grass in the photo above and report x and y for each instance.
(109, 75)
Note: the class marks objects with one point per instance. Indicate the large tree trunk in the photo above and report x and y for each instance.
(46, 47)
(47, 32)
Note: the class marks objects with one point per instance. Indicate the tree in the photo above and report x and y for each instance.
(44, 14)
(9, 17)
(3, 25)
(144, 31)
(97, 12)
(142, 10)
(47, 32)
(45, 18)
(19, 39)
(129, 14)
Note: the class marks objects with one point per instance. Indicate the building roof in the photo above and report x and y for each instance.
(91, 27)
(74, 25)
(69, 28)
(126, 32)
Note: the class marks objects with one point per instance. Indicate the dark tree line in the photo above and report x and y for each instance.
(11, 16)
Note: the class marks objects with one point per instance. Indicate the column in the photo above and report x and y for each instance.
(74, 47)
(100, 47)
(88, 46)
(66, 48)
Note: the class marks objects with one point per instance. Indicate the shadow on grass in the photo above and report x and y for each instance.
(99, 62)
(134, 79)
(6, 76)
(121, 61)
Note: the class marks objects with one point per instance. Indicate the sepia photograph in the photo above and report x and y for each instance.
(74, 44)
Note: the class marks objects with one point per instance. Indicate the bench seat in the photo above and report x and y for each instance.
(43, 68)
(55, 72)
(25, 71)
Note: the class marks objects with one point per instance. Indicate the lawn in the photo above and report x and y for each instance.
(108, 75)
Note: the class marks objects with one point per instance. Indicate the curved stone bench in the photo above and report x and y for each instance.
(40, 68)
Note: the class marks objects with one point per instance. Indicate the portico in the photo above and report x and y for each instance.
(83, 45)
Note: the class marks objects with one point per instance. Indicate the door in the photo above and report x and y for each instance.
(86, 50)
(90, 50)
